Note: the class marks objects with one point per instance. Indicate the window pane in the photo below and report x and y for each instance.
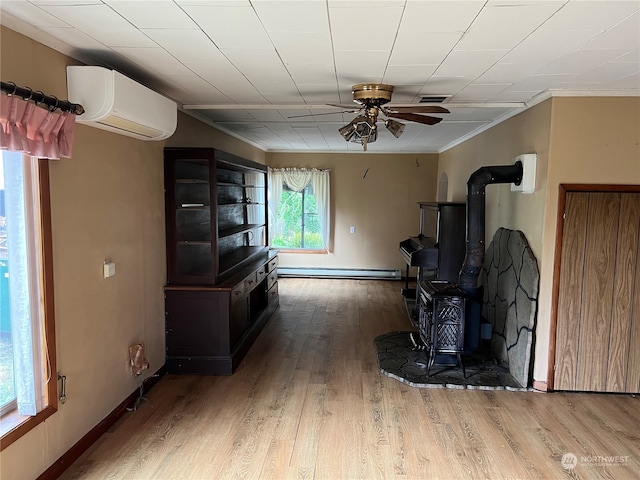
(288, 232)
(7, 389)
(297, 224)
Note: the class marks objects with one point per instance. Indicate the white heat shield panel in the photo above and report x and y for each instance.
(528, 183)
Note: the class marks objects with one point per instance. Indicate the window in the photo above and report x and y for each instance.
(28, 378)
(297, 225)
(299, 201)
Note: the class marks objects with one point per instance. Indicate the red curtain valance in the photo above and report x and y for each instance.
(36, 131)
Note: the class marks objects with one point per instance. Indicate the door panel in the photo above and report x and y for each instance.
(598, 315)
(623, 293)
(570, 297)
(600, 252)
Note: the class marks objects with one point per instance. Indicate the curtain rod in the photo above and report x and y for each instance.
(10, 88)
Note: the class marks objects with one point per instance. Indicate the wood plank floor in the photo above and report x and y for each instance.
(309, 402)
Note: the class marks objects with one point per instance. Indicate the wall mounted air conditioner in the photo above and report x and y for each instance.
(116, 103)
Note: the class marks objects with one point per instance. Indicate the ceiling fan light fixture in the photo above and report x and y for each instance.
(348, 131)
(396, 128)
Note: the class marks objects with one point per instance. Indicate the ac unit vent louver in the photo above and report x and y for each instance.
(118, 104)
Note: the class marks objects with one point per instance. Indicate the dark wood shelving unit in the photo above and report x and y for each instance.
(221, 275)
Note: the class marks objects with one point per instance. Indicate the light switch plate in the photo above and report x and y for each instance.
(109, 269)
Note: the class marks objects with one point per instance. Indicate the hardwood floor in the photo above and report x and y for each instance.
(309, 402)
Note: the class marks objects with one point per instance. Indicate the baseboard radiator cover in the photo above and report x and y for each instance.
(354, 273)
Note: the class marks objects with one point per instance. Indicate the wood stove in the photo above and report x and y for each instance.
(442, 309)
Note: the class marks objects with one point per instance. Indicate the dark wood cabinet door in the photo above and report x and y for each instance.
(193, 323)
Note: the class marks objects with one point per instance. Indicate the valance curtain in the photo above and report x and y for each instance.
(297, 179)
(27, 128)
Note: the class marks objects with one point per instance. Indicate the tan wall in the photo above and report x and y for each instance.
(383, 205)
(593, 141)
(107, 203)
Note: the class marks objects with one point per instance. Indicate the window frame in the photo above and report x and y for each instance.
(13, 425)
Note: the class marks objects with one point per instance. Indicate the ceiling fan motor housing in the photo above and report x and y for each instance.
(372, 93)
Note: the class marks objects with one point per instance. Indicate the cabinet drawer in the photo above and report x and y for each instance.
(273, 263)
(272, 294)
(262, 273)
(238, 292)
(272, 278)
(250, 282)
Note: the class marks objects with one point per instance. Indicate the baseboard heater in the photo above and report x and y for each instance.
(364, 273)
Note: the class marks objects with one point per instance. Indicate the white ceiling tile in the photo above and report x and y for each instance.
(503, 27)
(150, 59)
(75, 37)
(629, 57)
(480, 92)
(303, 48)
(229, 115)
(622, 35)
(318, 94)
(65, 2)
(438, 85)
(101, 23)
(36, 16)
(438, 17)
(429, 49)
(351, 64)
(346, 34)
(590, 15)
(631, 83)
(152, 14)
(228, 80)
(608, 73)
(313, 74)
(508, 72)
(187, 45)
(467, 63)
(408, 74)
(538, 83)
(236, 27)
(580, 61)
(514, 96)
(258, 65)
(309, 16)
(544, 47)
(197, 88)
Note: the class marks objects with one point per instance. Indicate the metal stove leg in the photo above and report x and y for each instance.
(464, 375)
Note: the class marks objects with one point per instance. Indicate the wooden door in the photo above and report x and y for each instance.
(597, 344)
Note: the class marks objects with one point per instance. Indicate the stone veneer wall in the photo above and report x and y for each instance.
(511, 280)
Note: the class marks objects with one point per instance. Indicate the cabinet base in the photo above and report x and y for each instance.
(222, 364)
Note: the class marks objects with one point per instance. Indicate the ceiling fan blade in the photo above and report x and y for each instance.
(348, 107)
(413, 117)
(326, 113)
(417, 109)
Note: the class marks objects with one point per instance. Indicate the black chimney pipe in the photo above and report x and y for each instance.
(474, 258)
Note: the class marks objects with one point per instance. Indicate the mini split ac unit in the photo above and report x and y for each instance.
(116, 103)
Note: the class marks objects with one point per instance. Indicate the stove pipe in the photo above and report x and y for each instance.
(474, 258)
